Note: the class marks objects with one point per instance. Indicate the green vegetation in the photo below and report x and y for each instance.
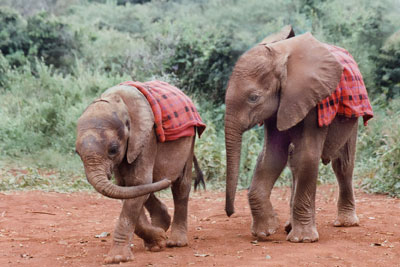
(57, 56)
(378, 169)
(388, 67)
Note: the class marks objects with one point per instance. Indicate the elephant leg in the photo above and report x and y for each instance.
(120, 250)
(155, 238)
(180, 191)
(343, 168)
(302, 214)
(158, 212)
(308, 141)
(270, 164)
(288, 226)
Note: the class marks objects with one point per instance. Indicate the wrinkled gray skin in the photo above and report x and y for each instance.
(115, 134)
(279, 83)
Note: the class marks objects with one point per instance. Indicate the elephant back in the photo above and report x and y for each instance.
(175, 115)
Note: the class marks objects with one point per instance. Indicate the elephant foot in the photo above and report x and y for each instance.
(303, 233)
(119, 253)
(264, 228)
(158, 241)
(346, 219)
(177, 239)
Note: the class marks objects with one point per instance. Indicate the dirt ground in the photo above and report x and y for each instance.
(59, 229)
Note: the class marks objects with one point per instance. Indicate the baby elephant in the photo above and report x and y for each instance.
(309, 96)
(130, 132)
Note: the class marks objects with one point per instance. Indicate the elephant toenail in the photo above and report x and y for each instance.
(271, 231)
(261, 236)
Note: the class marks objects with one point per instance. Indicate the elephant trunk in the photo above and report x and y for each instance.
(97, 176)
(233, 143)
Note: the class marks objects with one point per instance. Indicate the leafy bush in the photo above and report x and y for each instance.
(41, 36)
(41, 112)
(204, 65)
(52, 40)
(378, 155)
(14, 42)
(30, 8)
(210, 148)
(4, 67)
(388, 67)
(123, 2)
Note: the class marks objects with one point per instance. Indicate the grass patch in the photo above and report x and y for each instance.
(26, 178)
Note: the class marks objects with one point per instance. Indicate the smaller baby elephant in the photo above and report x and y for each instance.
(130, 132)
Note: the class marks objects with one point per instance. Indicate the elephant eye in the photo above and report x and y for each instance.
(253, 98)
(113, 149)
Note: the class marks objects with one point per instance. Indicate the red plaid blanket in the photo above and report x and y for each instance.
(350, 98)
(175, 115)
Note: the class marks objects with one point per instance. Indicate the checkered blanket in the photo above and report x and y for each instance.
(350, 98)
(174, 113)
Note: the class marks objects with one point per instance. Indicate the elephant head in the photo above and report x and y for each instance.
(281, 79)
(115, 128)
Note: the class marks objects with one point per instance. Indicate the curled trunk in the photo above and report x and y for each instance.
(97, 177)
(233, 143)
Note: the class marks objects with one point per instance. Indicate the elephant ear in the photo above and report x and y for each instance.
(310, 73)
(141, 116)
(285, 33)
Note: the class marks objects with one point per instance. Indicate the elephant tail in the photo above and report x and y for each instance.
(199, 175)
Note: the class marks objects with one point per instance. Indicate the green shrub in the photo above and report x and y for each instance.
(123, 2)
(41, 111)
(30, 8)
(12, 32)
(4, 67)
(388, 67)
(14, 41)
(52, 40)
(210, 148)
(41, 36)
(203, 65)
(378, 156)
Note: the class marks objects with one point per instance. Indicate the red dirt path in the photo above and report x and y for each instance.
(55, 229)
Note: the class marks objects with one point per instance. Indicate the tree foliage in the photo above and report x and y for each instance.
(388, 67)
(14, 42)
(203, 65)
(40, 36)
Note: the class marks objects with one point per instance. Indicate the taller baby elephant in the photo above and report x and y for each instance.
(144, 133)
(308, 95)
